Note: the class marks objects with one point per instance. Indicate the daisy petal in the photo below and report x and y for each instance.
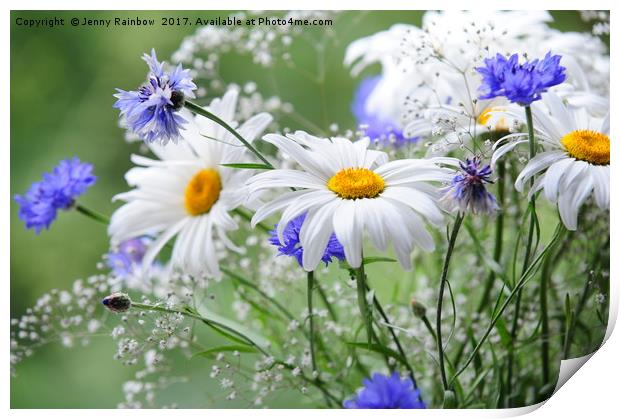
(538, 163)
(276, 205)
(570, 203)
(315, 234)
(553, 178)
(600, 175)
(161, 241)
(416, 200)
(348, 230)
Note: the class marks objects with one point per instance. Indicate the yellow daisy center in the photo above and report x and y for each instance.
(356, 183)
(586, 145)
(202, 191)
(485, 116)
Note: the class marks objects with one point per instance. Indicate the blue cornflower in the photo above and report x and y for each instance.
(151, 111)
(57, 190)
(520, 83)
(386, 392)
(291, 246)
(467, 191)
(377, 128)
(127, 256)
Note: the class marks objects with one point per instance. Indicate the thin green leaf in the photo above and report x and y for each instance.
(216, 323)
(502, 330)
(477, 360)
(537, 231)
(260, 166)
(210, 353)
(365, 261)
(479, 379)
(225, 334)
(567, 310)
(374, 259)
(243, 332)
(261, 309)
(498, 301)
(373, 347)
(453, 327)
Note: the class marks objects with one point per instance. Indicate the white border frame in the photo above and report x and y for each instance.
(593, 390)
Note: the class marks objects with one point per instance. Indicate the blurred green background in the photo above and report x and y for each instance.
(62, 81)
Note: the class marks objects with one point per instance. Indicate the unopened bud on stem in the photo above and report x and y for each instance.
(449, 400)
(419, 310)
(118, 302)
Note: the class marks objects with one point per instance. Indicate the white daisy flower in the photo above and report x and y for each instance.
(576, 161)
(345, 188)
(187, 192)
(388, 96)
(429, 86)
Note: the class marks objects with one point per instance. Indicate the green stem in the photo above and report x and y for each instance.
(544, 346)
(520, 284)
(197, 109)
(444, 279)
(570, 328)
(532, 204)
(499, 234)
(311, 319)
(429, 327)
(530, 131)
(366, 312)
(528, 251)
(360, 277)
(513, 338)
(94, 215)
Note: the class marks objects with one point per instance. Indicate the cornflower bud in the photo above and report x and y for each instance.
(118, 302)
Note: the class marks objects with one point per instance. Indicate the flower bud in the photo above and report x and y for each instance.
(419, 310)
(449, 400)
(117, 302)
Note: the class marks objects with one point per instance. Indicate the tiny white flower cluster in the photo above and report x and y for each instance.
(600, 19)
(264, 43)
(60, 316)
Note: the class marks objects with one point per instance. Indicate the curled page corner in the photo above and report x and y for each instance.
(519, 411)
(568, 367)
